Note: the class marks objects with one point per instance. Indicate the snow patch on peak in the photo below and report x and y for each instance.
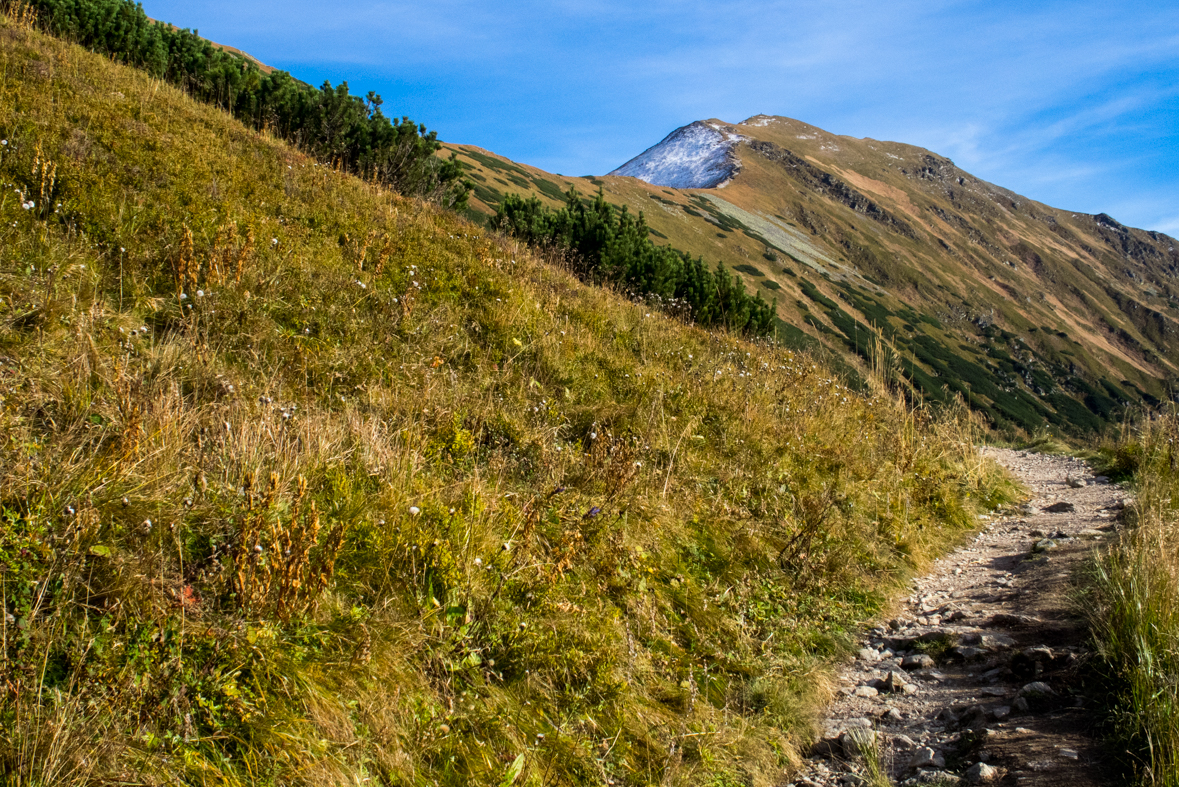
(696, 156)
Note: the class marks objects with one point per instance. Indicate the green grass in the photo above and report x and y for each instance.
(302, 482)
(1133, 606)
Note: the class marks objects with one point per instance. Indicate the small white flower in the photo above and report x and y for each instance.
(274, 241)
(414, 510)
(363, 286)
(200, 293)
(478, 561)
(183, 296)
(258, 548)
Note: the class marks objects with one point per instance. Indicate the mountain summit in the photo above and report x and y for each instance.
(697, 156)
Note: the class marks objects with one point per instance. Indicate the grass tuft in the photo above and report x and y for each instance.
(1135, 609)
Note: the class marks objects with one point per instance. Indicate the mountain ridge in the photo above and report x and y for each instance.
(1040, 317)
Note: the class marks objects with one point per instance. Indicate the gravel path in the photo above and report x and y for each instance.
(977, 679)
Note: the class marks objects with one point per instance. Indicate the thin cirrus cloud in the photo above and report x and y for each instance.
(1073, 103)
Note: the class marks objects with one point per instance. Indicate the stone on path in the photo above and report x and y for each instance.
(925, 757)
(1060, 508)
(981, 772)
(917, 661)
(1036, 689)
(895, 681)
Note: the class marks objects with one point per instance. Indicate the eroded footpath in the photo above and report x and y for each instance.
(979, 678)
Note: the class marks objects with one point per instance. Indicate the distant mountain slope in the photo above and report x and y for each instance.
(1040, 317)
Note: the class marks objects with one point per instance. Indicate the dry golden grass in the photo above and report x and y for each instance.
(305, 483)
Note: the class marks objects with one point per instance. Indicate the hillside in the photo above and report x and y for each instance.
(1042, 318)
(304, 482)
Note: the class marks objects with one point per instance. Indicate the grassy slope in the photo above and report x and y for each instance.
(1041, 316)
(304, 483)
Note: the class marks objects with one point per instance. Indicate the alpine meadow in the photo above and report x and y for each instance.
(326, 461)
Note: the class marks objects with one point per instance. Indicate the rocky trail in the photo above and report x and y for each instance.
(978, 679)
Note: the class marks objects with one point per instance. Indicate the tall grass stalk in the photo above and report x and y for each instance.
(1135, 621)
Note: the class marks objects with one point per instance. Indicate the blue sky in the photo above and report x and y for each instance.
(1075, 104)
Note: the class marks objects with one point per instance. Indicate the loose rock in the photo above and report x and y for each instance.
(981, 772)
(1036, 689)
(918, 661)
(925, 757)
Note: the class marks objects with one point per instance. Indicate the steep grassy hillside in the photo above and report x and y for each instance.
(1041, 318)
(304, 483)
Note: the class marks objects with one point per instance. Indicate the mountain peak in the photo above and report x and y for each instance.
(696, 156)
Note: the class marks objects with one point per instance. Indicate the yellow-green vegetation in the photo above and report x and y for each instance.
(1135, 617)
(302, 482)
